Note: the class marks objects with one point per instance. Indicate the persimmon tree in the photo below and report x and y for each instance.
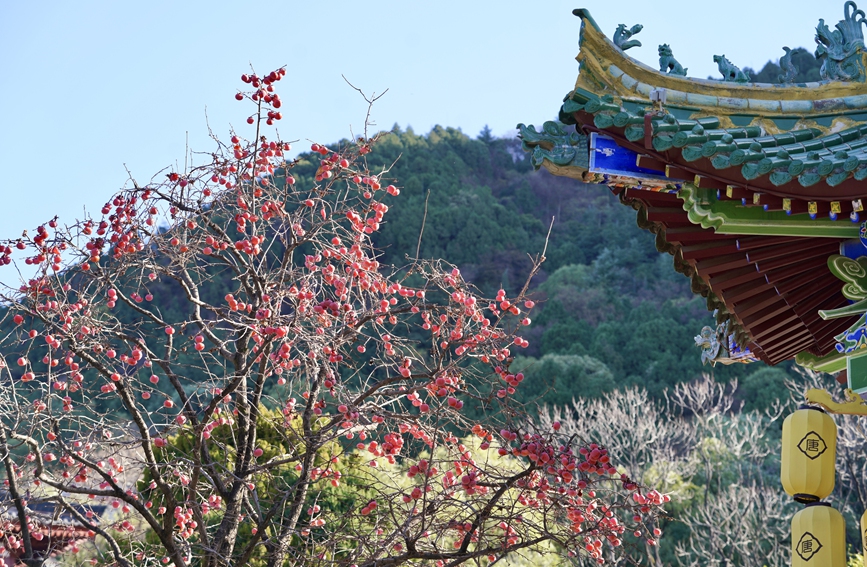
(222, 362)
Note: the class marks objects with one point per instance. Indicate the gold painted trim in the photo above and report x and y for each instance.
(854, 404)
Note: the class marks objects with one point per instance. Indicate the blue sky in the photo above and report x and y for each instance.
(91, 87)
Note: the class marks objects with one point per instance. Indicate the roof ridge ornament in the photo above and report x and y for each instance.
(787, 67)
(554, 144)
(667, 62)
(840, 51)
(730, 72)
(622, 35)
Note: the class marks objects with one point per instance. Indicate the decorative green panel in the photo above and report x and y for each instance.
(785, 123)
(731, 217)
(856, 367)
(854, 275)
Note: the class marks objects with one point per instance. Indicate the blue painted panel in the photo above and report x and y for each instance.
(853, 249)
(607, 157)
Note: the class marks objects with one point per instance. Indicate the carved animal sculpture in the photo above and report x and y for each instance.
(841, 51)
(709, 344)
(667, 62)
(730, 72)
(622, 35)
(787, 67)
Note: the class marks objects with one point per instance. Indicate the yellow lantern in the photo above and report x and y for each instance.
(864, 534)
(809, 452)
(818, 537)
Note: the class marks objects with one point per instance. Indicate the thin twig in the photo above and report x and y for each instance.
(423, 220)
(369, 100)
(537, 261)
(547, 238)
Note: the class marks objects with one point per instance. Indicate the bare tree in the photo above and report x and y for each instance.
(639, 432)
(746, 525)
(711, 459)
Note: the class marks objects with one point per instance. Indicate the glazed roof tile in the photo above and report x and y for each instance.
(806, 156)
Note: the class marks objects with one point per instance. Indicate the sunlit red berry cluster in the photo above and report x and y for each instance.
(264, 93)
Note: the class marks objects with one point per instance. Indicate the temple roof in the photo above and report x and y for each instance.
(752, 187)
(804, 142)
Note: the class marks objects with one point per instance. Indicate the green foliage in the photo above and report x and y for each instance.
(629, 310)
(466, 222)
(762, 388)
(280, 440)
(558, 378)
(807, 65)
